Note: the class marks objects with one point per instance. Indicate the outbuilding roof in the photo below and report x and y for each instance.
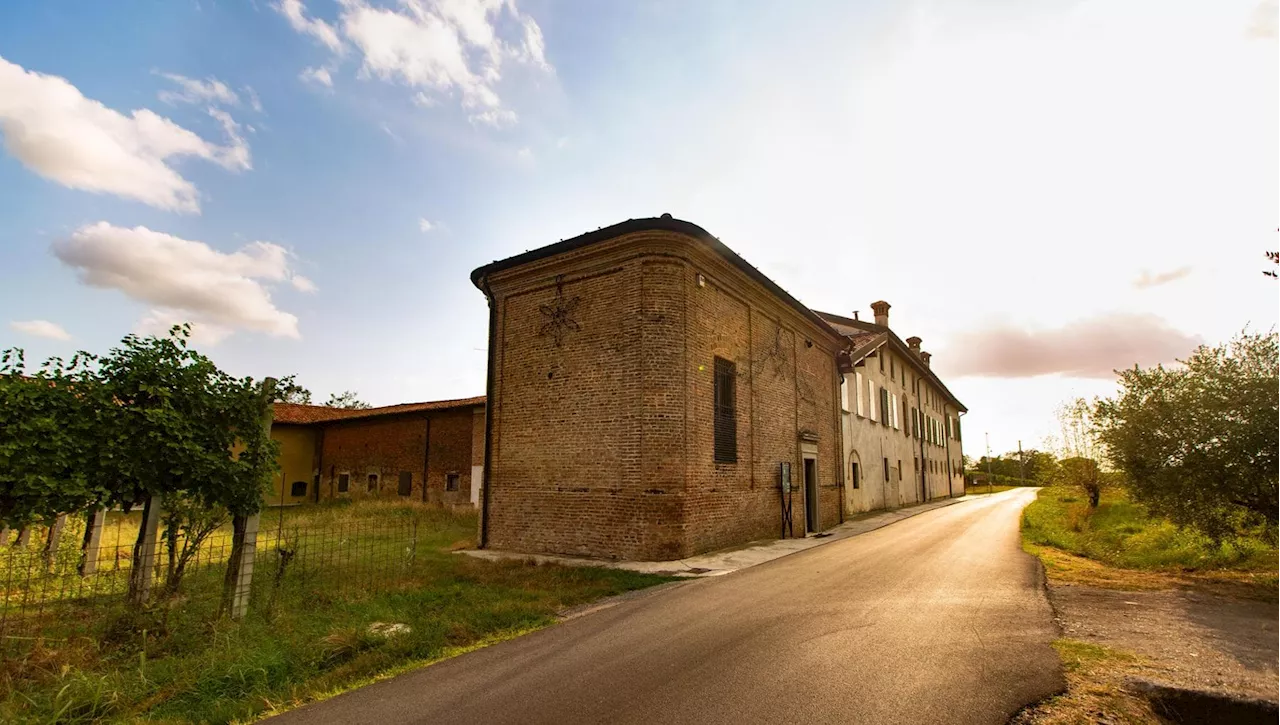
(295, 414)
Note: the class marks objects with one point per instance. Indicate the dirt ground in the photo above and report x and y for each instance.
(1185, 639)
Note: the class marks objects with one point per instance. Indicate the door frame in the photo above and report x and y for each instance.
(812, 511)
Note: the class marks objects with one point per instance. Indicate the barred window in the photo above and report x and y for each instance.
(726, 412)
(373, 483)
(451, 482)
(406, 483)
(344, 482)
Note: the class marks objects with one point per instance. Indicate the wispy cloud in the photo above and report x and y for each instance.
(439, 48)
(1091, 348)
(191, 90)
(1146, 279)
(40, 328)
(424, 225)
(319, 75)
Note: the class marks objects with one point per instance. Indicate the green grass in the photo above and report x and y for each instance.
(1121, 533)
(179, 663)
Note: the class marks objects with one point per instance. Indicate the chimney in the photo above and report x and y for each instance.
(881, 309)
(924, 356)
(913, 342)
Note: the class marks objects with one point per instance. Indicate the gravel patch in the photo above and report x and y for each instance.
(1189, 640)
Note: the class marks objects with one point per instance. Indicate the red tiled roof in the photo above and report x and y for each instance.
(308, 414)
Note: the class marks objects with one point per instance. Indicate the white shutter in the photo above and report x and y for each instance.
(872, 401)
(844, 394)
(857, 392)
(897, 420)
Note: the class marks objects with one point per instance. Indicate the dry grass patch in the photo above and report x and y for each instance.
(1095, 689)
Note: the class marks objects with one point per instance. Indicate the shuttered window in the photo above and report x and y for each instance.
(726, 412)
(844, 395)
(885, 411)
(857, 392)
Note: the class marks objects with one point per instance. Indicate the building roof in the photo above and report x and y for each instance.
(296, 414)
(664, 223)
(866, 337)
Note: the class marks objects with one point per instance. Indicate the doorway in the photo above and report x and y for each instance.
(811, 495)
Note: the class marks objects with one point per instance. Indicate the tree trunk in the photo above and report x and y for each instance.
(232, 577)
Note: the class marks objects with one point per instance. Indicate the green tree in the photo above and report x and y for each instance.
(289, 392)
(1081, 450)
(346, 399)
(50, 448)
(1199, 443)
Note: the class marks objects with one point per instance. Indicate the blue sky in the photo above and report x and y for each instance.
(1044, 191)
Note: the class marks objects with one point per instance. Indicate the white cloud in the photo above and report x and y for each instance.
(183, 279)
(425, 226)
(158, 322)
(40, 328)
(438, 47)
(78, 142)
(317, 75)
(197, 91)
(302, 284)
(525, 154)
(296, 13)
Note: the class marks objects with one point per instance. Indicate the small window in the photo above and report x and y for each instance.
(881, 356)
(726, 412)
(451, 482)
(344, 482)
(893, 370)
(857, 482)
(298, 488)
(406, 483)
(886, 469)
(899, 469)
(373, 483)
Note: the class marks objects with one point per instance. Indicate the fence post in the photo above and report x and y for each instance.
(4, 535)
(24, 536)
(244, 575)
(145, 560)
(54, 537)
(94, 522)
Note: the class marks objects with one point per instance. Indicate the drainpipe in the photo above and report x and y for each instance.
(488, 418)
(924, 464)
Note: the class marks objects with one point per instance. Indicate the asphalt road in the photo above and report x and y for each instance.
(940, 618)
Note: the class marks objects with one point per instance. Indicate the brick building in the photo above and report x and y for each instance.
(430, 452)
(901, 425)
(646, 386)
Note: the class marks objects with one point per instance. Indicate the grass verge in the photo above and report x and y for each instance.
(1120, 546)
(312, 642)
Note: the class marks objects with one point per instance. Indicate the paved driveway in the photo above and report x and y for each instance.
(940, 618)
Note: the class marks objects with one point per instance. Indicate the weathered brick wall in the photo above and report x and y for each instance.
(388, 445)
(450, 455)
(603, 445)
(383, 446)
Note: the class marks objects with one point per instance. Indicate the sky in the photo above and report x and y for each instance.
(1044, 191)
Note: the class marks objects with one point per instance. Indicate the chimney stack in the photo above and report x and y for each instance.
(924, 357)
(913, 342)
(881, 310)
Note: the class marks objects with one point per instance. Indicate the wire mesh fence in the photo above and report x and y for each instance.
(60, 584)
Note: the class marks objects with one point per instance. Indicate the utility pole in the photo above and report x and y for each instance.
(1022, 471)
(990, 483)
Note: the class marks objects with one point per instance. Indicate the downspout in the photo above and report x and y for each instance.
(426, 461)
(924, 464)
(488, 418)
(840, 461)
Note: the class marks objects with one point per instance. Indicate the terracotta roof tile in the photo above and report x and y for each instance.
(308, 414)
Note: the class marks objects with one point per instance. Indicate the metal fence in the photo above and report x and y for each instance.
(60, 584)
